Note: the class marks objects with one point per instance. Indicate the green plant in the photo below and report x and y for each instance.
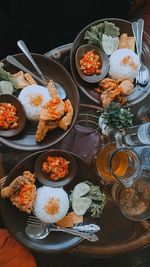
(116, 117)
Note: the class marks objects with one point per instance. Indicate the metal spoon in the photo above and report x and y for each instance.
(143, 73)
(12, 60)
(36, 232)
(25, 50)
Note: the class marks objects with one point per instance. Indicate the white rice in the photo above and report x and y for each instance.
(51, 204)
(29, 98)
(124, 64)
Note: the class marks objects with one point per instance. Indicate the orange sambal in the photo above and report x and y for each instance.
(57, 167)
(8, 117)
(90, 63)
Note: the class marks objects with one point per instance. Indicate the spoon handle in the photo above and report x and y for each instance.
(25, 50)
(140, 26)
(17, 64)
(135, 33)
(88, 236)
(89, 228)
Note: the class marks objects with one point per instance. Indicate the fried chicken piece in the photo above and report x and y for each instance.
(21, 192)
(29, 78)
(66, 120)
(51, 113)
(111, 89)
(108, 83)
(127, 42)
(109, 95)
(19, 77)
(53, 109)
(43, 127)
(127, 87)
(56, 113)
(52, 89)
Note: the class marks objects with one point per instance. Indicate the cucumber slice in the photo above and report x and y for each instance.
(81, 204)
(81, 189)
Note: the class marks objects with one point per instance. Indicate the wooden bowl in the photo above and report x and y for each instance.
(6, 98)
(104, 60)
(44, 177)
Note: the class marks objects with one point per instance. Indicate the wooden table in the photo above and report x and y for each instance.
(118, 235)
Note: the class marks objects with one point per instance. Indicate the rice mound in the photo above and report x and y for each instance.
(124, 64)
(33, 98)
(51, 204)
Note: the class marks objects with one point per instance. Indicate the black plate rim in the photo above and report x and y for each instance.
(15, 145)
(31, 243)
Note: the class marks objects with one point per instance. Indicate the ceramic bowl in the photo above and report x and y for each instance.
(6, 98)
(44, 178)
(104, 60)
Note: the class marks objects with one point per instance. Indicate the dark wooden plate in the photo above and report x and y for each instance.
(20, 112)
(51, 70)
(139, 93)
(15, 220)
(44, 177)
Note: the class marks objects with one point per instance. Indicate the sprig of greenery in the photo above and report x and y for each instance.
(116, 117)
(6, 76)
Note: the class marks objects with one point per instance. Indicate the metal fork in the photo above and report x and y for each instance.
(88, 228)
(2, 181)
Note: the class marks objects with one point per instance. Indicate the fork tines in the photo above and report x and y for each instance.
(2, 181)
(33, 220)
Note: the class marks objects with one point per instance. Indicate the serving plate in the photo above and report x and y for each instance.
(51, 70)
(15, 220)
(139, 93)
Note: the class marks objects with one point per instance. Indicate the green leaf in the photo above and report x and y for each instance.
(6, 76)
(116, 117)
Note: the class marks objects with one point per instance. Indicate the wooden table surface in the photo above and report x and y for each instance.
(118, 235)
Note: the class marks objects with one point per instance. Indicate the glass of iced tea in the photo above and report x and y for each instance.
(117, 162)
(134, 201)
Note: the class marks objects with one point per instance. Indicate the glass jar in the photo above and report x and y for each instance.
(144, 114)
(134, 201)
(138, 135)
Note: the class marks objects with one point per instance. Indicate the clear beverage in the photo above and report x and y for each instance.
(144, 155)
(139, 135)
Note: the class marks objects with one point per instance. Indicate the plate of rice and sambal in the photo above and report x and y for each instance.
(48, 117)
(104, 63)
(73, 205)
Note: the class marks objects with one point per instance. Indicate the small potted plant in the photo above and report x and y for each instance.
(115, 118)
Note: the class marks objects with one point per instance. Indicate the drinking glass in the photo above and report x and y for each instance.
(144, 155)
(118, 162)
(134, 202)
(138, 135)
(144, 114)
